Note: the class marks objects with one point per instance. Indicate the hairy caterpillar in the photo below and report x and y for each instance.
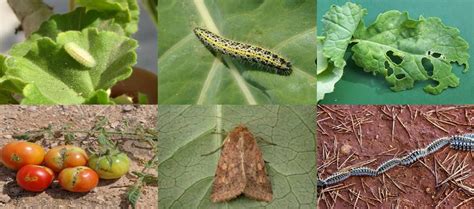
(337, 177)
(387, 165)
(80, 55)
(363, 171)
(245, 52)
(459, 142)
(436, 145)
(462, 143)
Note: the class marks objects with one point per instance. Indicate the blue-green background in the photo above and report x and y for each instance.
(359, 87)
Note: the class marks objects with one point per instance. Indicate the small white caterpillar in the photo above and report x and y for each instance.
(463, 142)
(245, 52)
(80, 55)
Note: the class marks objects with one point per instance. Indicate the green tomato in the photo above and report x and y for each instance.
(110, 166)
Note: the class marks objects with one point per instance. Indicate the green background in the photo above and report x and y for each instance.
(359, 87)
(190, 74)
(189, 132)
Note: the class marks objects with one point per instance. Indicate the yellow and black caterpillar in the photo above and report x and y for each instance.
(244, 52)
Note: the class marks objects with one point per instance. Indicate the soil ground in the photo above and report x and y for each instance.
(109, 194)
(352, 136)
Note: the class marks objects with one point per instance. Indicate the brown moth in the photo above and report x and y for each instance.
(241, 169)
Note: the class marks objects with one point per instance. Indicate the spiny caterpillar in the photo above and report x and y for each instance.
(244, 52)
(459, 142)
(80, 55)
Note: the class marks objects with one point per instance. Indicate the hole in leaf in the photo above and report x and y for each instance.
(436, 55)
(400, 76)
(427, 65)
(395, 58)
(389, 69)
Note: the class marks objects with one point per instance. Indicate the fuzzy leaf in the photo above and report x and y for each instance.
(69, 82)
(340, 23)
(125, 12)
(402, 50)
(188, 133)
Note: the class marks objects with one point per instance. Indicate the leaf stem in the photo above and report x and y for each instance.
(72, 5)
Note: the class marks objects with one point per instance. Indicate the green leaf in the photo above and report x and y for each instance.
(328, 75)
(125, 12)
(189, 132)
(191, 74)
(68, 82)
(100, 97)
(402, 50)
(340, 23)
(134, 192)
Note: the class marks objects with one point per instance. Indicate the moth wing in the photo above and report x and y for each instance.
(258, 185)
(229, 181)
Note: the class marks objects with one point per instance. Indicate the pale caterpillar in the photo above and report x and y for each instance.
(80, 55)
(245, 52)
(459, 142)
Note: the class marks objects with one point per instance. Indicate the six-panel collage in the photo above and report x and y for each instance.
(236, 104)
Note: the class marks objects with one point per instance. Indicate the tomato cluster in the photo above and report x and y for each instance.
(69, 161)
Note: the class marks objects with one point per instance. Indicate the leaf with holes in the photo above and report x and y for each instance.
(405, 50)
(190, 74)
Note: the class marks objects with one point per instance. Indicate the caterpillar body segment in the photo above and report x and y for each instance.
(337, 177)
(387, 165)
(363, 171)
(436, 145)
(462, 143)
(413, 156)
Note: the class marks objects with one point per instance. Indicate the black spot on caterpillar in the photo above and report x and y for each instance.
(436, 145)
(413, 156)
(337, 177)
(245, 52)
(462, 143)
(363, 171)
(387, 165)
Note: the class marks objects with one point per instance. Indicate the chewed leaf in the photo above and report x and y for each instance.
(406, 50)
(69, 81)
(340, 23)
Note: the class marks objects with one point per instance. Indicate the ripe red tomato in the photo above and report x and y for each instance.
(20, 153)
(66, 156)
(78, 179)
(34, 178)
